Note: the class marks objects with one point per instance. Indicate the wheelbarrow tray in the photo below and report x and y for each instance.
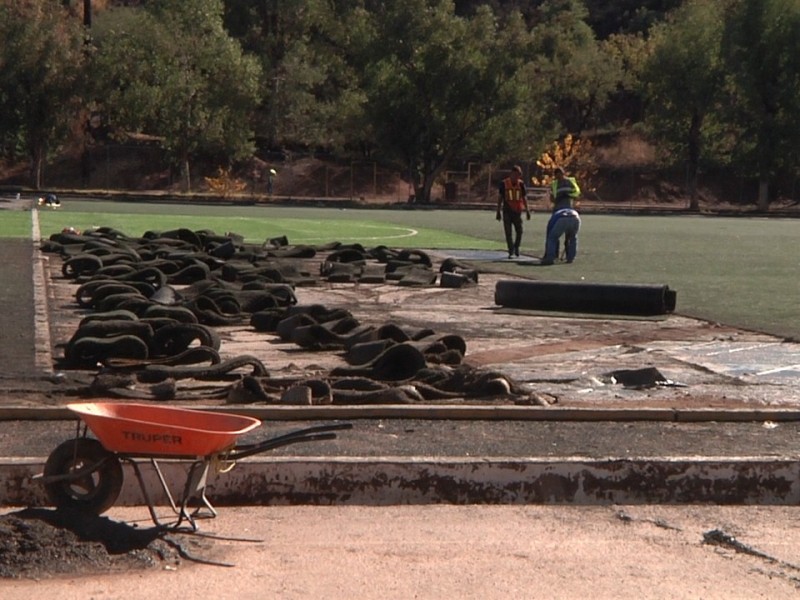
(167, 431)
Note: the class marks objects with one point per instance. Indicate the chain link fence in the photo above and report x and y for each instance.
(143, 167)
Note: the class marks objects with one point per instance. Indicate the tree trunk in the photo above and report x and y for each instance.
(37, 166)
(186, 177)
(429, 175)
(694, 160)
(424, 191)
(694, 201)
(763, 194)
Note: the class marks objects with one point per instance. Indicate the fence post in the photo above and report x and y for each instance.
(469, 181)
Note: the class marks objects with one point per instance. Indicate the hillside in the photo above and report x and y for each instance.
(626, 173)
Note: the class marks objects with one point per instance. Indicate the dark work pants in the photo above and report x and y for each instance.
(512, 224)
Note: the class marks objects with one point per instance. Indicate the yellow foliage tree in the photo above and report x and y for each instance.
(574, 156)
(225, 184)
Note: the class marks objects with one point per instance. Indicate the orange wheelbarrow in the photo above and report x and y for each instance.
(85, 474)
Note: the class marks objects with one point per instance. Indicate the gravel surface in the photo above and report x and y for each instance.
(449, 438)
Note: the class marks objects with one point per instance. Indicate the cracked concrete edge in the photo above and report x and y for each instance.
(43, 352)
(452, 412)
(387, 481)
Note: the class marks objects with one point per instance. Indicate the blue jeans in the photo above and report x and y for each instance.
(564, 222)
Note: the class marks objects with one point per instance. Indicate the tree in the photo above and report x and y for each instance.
(312, 94)
(436, 83)
(579, 73)
(626, 103)
(41, 73)
(172, 71)
(683, 81)
(762, 52)
(609, 17)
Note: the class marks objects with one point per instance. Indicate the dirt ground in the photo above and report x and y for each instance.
(470, 552)
(38, 543)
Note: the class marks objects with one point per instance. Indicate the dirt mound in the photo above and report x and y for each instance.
(40, 543)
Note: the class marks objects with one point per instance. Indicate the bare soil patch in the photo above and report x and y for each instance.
(37, 543)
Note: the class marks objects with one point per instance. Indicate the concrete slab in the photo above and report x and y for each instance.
(770, 362)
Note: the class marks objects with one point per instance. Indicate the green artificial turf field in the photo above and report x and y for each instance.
(738, 271)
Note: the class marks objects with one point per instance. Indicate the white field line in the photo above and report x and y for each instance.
(402, 232)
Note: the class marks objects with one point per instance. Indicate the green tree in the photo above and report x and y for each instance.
(762, 53)
(609, 17)
(311, 94)
(435, 83)
(579, 73)
(683, 81)
(626, 104)
(41, 73)
(172, 71)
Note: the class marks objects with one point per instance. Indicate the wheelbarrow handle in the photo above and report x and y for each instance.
(309, 434)
(300, 432)
(322, 428)
(237, 454)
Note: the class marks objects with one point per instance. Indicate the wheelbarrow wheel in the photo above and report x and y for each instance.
(93, 491)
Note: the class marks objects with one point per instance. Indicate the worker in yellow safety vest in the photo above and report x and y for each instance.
(565, 220)
(564, 191)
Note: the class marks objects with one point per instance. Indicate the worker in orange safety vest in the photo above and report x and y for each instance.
(510, 204)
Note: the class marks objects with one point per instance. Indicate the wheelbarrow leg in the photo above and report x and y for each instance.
(195, 487)
(206, 503)
(164, 485)
(146, 494)
(147, 498)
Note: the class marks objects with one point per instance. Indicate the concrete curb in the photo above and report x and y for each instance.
(453, 412)
(436, 480)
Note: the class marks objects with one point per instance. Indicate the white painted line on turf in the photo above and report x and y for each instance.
(406, 233)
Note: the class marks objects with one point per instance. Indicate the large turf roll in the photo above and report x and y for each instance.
(596, 298)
